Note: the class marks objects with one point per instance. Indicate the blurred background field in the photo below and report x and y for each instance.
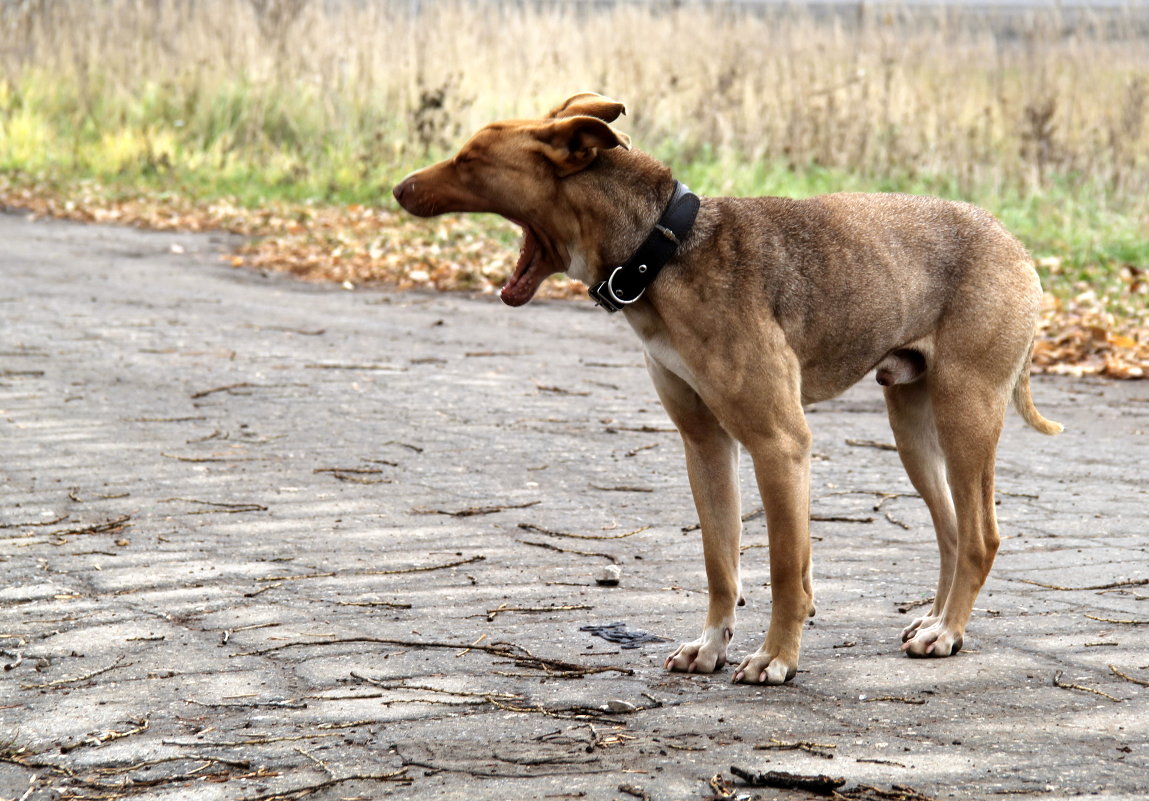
(290, 119)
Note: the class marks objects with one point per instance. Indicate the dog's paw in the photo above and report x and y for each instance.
(932, 640)
(704, 655)
(764, 667)
(911, 630)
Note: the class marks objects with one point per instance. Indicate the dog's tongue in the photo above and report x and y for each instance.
(521, 286)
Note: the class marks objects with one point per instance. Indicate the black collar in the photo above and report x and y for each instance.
(628, 281)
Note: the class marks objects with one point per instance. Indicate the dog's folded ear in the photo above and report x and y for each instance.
(573, 143)
(588, 104)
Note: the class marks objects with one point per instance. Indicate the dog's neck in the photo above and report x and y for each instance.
(636, 188)
(628, 282)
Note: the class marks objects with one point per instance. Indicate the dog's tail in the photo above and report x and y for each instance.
(1023, 402)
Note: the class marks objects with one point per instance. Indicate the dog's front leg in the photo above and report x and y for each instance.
(712, 465)
(782, 466)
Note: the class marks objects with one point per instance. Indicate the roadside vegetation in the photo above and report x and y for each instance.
(291, 119)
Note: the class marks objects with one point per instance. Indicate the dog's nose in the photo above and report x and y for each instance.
(402, 188)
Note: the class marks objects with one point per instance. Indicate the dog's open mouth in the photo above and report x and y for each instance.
(532, 268)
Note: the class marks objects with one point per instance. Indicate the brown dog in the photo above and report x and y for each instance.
(766, 304)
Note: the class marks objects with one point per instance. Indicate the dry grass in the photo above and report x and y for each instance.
(985, 101)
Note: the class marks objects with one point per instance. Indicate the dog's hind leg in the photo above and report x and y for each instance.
(915, 431)
(712, 465)
(969, 410)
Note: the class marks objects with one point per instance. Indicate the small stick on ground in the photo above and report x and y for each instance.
(821, 785)
(1127, 677)
(745, 519)
(871, 443)
(551, 533)
(560, 713)
(472, 511)
(840, 519)
(105, 737)
(224, 508)
(27, 525)
(872, 761)
(319, 366)
(250, 741)
(889, 496)
(906, 606)
(677, 747)
(227, 388)
(550, 547)
(1057, 682)
(898, 792)
(121, 769)
(312, 789)
(115, 791)
(817, 749)
(392, 685)
(350, 724)
(388, 604)
(467, 650)
(637, 792)
(493, 613)
(17, 659)
(531, 762)
(287, 703)
(1120, 590)
(1110, 586)
(61, 682)
(896, 522)
(113, 526)
(519, 655)
(1122, 622)
(262, 590)
(560, 391)
(900, 699)
(646, 429)
(322, 765)
(196, 419)
(355, 475)
(373, 572)
(407, 445)
(882, 495)
(212, 459)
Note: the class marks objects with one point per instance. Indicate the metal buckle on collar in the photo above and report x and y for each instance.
(605, 296)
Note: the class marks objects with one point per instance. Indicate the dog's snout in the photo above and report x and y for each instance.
(403, 191)
(417, 194)
(437, 190)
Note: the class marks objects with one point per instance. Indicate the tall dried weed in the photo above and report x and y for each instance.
(1011, 101)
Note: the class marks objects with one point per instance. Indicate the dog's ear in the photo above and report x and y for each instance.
(572, 143)
(588, 104)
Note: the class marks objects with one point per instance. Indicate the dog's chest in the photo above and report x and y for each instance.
(659, 348)
(577, 269)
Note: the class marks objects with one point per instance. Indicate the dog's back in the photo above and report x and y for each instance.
(851, 277)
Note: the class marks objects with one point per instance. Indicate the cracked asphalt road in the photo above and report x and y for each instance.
(248, 526)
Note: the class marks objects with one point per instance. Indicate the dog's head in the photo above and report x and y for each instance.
(528, 171)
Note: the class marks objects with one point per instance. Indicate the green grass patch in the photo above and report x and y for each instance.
(254, 146)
